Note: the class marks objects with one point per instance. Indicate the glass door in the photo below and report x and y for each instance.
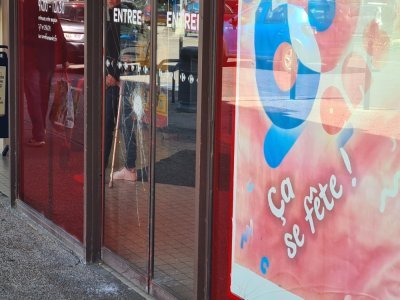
(177, 48)
(126, 137)
(150, 139)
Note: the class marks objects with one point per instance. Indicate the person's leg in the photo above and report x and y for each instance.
(129, 132)
(111, 111)
(33, 99)
(45, 85)
(127, 128)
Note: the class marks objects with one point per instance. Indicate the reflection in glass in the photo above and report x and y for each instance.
(52, 124)
(177, 55)
(126, 130)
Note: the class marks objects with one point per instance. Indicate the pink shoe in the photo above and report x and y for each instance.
(125, 174)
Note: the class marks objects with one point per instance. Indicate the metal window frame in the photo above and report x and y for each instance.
(13, 98)
(204, 161)
(93, 91)
(205, 146)
(153, 144)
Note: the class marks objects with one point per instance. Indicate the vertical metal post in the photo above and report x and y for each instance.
(153, 128)
(204, 145)
(13, 97)
(93, 98)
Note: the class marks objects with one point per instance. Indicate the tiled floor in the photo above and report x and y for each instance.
(174, 238)
(126, 232)
(126, 222)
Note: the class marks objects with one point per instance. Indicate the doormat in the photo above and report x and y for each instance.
(178, 169)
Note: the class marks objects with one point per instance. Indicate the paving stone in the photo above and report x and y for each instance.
(35, 265)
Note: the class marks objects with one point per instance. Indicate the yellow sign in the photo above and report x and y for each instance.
(3, 82)
(161, 111)
(162, 105)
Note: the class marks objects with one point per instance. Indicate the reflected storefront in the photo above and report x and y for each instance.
(126, 135)
(51, 114)
(214, 149)
(137, 138)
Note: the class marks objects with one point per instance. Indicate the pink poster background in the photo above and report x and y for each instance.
(348, 149)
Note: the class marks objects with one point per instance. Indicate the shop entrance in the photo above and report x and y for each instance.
(150, 141)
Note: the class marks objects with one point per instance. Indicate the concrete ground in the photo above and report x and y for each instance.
(34, 265)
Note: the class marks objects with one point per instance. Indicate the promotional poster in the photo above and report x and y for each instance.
(317, 154)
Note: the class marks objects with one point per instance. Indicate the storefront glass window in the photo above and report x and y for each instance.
(127, 117)
(51, 112)
(308, 133)
(177, 56)
(127, 138)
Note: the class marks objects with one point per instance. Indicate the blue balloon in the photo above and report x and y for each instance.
(321, 13)
(286, 109)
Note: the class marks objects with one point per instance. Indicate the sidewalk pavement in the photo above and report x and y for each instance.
(35, 265)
